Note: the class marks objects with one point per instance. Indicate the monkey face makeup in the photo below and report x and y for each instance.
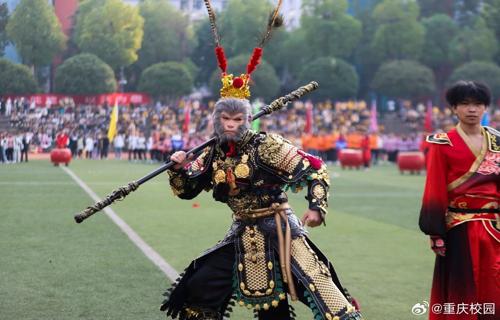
(231, 119)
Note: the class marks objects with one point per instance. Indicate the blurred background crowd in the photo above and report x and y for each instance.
(398, 53)
(153, 132)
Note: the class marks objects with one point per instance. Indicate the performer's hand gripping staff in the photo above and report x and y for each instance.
(122, 192)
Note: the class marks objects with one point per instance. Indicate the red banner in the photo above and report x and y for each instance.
(308, 129)
(61, 99)
(428, 118)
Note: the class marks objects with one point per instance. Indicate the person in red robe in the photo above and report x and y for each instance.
(460, 210)
(62, 140)
(366, 150)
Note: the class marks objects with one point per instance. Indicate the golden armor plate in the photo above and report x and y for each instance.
(242, 171)
(220, 176)
(319, 191)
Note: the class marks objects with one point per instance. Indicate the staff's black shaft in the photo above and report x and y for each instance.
(122, 192)
(167, 165)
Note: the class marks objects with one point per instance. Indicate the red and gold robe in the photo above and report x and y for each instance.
(460, 204)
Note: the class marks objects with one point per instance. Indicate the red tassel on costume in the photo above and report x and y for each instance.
(231, 181)
(232, 149)
(355, 304)
(314, 161)
(254, 60)
(221, 58)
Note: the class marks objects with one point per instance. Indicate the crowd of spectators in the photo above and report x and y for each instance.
(153, 132)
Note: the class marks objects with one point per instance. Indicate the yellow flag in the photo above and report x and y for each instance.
(113, 121)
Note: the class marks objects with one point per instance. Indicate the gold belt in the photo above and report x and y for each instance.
(488, 211)
(284, 241)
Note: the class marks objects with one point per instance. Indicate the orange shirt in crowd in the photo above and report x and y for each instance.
(322, 143)
(329, 141)
(374, 141)
(314, 142)
(354, 140)
(306, 141)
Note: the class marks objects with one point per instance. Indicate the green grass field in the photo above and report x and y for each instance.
(52, 268)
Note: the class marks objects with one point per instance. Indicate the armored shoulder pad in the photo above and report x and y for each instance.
(439, 138)
(493, 139)
(279, 157)
(201, 163)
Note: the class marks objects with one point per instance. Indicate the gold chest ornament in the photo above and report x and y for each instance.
(220, 176)
(242, 170)
(221, 169)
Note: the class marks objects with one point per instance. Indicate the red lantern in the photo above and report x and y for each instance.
(60, 155)
(414, 162)
(351, 158)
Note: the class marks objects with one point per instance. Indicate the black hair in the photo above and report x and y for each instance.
(468, 91)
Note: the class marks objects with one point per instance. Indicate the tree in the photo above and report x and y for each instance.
(274, 49)
(365, 61)
(164, 39)
(433, 7)
(398, 35)
(84, 74)
(474, 42)
(439, 29)
(203, 54)
(110, 29)
(168, 80)
(467, 10)
(486, 72)
(16, 79)
(4, 19)
(242, 24)
(264, 84)
(191, 67)
(293, 55)
(357, 7)
(404, 79)
(36, 32)
(491, 14)
(329, 30)
(337, 79)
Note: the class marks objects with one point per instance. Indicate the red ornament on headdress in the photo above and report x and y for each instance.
(238, 82)
(221, 58)
(254, 60)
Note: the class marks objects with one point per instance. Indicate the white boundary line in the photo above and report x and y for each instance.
(150, 253)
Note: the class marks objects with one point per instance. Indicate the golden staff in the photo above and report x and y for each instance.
(122, 192)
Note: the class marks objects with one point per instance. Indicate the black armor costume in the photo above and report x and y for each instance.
(266, 253)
